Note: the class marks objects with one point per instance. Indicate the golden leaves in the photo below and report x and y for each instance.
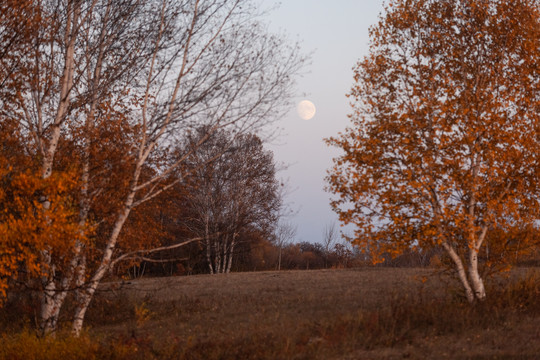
(27, 227)
(445, 127)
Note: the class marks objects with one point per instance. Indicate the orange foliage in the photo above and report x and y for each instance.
(444, 147)
(27, 228)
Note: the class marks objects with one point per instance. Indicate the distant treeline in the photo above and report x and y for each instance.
(256, 254)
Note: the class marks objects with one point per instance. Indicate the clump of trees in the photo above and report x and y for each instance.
(232, 190)
(444, 145)
(98, 101)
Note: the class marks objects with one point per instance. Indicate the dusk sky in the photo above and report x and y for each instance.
(337, 33)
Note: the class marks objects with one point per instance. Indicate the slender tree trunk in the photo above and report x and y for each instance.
(52, 297)
(88, 291)
(208, 243)
(218, 258)
(50, 310)
(79, 256)
(209, 254)
(145, 148)
(231, 251)
(49, 307)
(476, 281)
(460, 270)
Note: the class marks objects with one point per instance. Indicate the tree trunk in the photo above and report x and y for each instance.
(89, 290)
(476, 281)
(460, 270)
(80, 311)
(230, 257)
(50, 312)
(51, 299)
(217, 256)
(208, 243)
(49, 307)
(209, 254)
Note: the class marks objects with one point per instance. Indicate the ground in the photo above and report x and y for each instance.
(366, 313)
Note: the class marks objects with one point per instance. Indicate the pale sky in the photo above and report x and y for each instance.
(337, 32)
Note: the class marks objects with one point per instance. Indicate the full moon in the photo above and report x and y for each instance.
(306, 110)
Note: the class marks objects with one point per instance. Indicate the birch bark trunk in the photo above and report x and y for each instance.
(476, 280)
(230, 255)
(209, 253)
(217, 255)
(462, 274)
(145, 148)
(51, 298)
(87, 292)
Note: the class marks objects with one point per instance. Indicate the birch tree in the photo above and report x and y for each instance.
(444, 144)
(225, 71)
(234, 189)
(151, 71)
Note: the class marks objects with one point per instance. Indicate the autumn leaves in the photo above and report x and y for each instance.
(444, 147)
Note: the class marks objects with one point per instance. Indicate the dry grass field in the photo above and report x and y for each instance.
(367, 313)
(318, 314)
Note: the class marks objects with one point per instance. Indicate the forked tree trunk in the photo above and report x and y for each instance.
(471, 280)
(462, 274)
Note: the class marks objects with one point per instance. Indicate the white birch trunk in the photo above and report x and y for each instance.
(218, 256)
(209, 254)
(145, 148)
(88, 291)
(51, 305)
(230, 255)
(48, 308)
(53, 298)
(476, 281)
(462, 274)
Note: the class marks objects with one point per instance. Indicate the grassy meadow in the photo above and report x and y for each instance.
(365, 313)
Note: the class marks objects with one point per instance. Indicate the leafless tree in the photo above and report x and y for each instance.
(330, 236)
(285, 233)
(234, 187)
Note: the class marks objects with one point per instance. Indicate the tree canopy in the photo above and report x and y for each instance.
(444, 146)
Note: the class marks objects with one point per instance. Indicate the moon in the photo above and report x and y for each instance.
(306, 110)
